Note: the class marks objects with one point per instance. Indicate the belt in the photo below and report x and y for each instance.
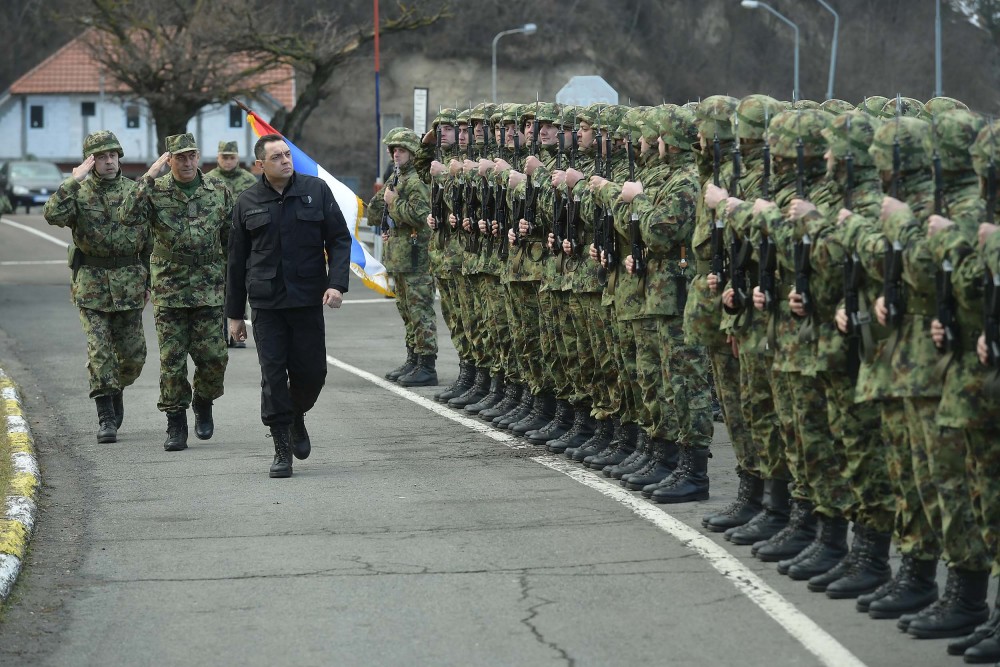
(182, 258)
(113, 262)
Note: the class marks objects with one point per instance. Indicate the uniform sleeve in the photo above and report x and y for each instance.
(137, 208)
(60, 209)
(236, 267)
(337, 239)
(412, 206)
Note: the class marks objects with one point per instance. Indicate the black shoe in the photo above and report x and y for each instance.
(511, 397)
(301, 445)
(424, 374)
(957, 612)
(581, 431)
(831, 540)
(282, 464)
(557, 427)
(119, 402)
(869, 570)
(667, 458)
(542, 412)
(177, 431)
(476, 392)
(408, 365)
(495, 395)
(601, 440)
(748, 504)
(520, 410)
(632, 463)
(691, 483)
(981, 646)
(793, 538)
(770, 521)
(107, 430)
(204, 424)
(819, 582)
(621, 445)
(466, 374)
(911, 590)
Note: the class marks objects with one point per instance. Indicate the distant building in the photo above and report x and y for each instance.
(48, 111)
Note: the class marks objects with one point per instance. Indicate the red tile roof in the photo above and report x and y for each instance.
(72, 69)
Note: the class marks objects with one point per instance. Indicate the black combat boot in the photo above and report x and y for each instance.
(912, 590)
(408, 365)
(793, 538)
(621, 445)
(869, 568)
(494, 396)
(282, 464)
(542, 413)
(518, 412)
(423, 375)
(204, 424)
(818, 583)
(301, 445)
(466, 373)
(982, 646)
(635, 461)
(603, 434)
(749, 502)
(511, 397)
(107, 431)
(118, 400)
(177, 431)
(957, 612)
(831, 541)
(580, 432)
(561, 422)
(768, 522)
(666, 455)
(476, 392)
(692, 484)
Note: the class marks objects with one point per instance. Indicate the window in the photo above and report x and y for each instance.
(88, 109)
(37, 116)
(132, 116)
(235, 116)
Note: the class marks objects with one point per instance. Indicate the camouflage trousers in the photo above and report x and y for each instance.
(116, 349)
(485, 315)
(606, 390)
(982, 462)
(686, 390)
(821, 453)
(465, 303)
(515, 367)
(498, 326)
(649, 390)
(784, 407)
(726, 375)
(526, 332)
(582, 364)
(195, 332)
(915, 533)
(552, 333)
(631, 410)
(452, 316)
(764, 455)
(415, 302)
(962, 542)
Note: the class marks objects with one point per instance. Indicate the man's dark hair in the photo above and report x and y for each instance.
(259, 148)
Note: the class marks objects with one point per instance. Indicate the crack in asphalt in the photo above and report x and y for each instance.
(533, 611)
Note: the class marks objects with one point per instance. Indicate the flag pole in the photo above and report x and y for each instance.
(378, 107)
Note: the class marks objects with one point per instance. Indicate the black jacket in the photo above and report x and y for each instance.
(276, 246)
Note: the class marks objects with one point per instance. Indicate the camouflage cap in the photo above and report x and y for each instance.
(181, 143)
(444, 117)
(100, 141)
(789, 127)
(937, 105)
(753, 113)
(511, 113)
(403, 137)
(681, 129)
(228, 148)
(851, 133)
(802, 105)
(907, 107)
(463, 116)
(567, 116)
(496, 116)
(610, 117)
(986, 149)
(691, 106)
(631, 123)
(588, 114)
(836, 107)
(952, 135)
(714, 116)
(481, 111)
(547, 113)
(655, 122)
(873, 105)
(910, 133)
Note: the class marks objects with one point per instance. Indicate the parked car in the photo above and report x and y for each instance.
(29, 183)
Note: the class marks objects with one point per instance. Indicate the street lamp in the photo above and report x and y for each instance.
(937, 49)
(526, 29)
(754, 4)
(833, 48)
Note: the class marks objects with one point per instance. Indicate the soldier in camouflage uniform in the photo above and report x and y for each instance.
(110, 263)
(189, 217)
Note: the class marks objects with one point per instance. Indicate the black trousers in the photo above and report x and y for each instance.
(291, 348)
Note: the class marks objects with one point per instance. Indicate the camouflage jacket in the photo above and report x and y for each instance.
(745, 324)
(237, 180)
(190, 238)
(582, 273)
(90, 210)
(527, 258)
(623, 291)
(409, 235)
(666, 212)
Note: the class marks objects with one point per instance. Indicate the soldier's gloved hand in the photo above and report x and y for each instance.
(80, 173)
(485, 166)
(881, 312)
(160, 167)
(795, 303)
(937, 333)
(523, 226)
(452, 220)
(890, 205)
(385, 236)
(558, 178)
(937, 224)
(604, 259)
(714, 194)
(799, 207)
(333, 298)
(431, 222)
(454, 167)
(501, 165)
(986, 230)
(469, 167)
(593, 252)
(734, 345)
(759, 300)
(596, 183)
(630, 264)
(515, 179)
(841, 320)
(713, 282)
(237, 330)
(728, 297)
(982, 351)
(495, 228)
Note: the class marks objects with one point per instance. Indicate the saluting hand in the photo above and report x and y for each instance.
(332, 298)
(159, 167)
(81, 172)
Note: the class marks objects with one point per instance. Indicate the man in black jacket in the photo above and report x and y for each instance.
(281, 227)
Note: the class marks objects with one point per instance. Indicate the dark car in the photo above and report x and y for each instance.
(29, 183)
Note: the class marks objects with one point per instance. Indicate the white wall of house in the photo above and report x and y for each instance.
(59, 138)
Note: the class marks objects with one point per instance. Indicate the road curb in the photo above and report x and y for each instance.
(18, 520)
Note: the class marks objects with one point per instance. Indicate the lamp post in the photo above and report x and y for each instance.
(754, 4)
(937, 49)
(833, 48)
(526, 29)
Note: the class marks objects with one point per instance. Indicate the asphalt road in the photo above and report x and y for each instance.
(407, 537)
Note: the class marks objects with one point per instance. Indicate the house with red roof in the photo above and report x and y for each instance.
(49, 111)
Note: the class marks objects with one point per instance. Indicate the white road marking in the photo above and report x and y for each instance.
(32, 230)
(34, 262)
(813, 638)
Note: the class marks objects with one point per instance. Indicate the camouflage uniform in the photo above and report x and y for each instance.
(110, 264)
(190, 235)
(238, 179)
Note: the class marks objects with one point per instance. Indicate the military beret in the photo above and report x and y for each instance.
(228, 148)
(181, 143)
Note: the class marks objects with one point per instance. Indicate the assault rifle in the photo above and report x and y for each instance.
(803, 248)
(718, 240)
(557, 197)
(635, 235)
(739, 249)
(945, 301)
(437, 196)
(892, 285)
